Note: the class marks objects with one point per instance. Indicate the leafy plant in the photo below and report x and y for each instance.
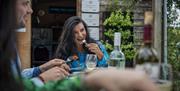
(174, 56)
(119, 22)
(173, 39)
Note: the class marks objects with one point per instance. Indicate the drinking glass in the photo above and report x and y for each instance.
(91, 61)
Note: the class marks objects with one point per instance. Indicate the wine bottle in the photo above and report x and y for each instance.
(146, 53)
(146, 58)
(117, 58)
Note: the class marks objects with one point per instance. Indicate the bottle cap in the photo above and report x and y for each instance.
(148, 21)
(148, 18)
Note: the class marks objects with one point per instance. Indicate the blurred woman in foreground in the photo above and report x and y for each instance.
(8, 74)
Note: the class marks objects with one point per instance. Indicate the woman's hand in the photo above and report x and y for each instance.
(93, 47)
(54, 74)
(52, 63)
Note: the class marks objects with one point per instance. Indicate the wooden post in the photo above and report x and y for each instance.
(157, 10)
(78, 7)
(24, 45)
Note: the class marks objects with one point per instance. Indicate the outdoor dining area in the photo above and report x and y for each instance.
(90, 45)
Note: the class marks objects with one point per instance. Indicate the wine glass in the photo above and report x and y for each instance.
(91, 61)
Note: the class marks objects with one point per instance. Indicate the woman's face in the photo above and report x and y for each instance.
(23, 11)
(80, 33)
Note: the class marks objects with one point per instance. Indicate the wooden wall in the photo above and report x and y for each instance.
(24, 45)
(24, 41)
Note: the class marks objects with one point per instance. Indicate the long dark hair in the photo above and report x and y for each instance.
(8, 25)
(67, 46)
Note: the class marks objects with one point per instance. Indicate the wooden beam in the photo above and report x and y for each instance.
(78, 7)
(157, 10)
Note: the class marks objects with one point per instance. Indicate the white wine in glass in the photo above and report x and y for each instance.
(91, 61)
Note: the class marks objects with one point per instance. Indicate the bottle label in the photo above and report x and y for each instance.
(117, 39)
(117, 62)
(147, 33)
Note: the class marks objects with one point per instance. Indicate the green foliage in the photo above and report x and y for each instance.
(173, 39)
(129, 51)
(172, 13)
(174, 56)
(119, 22)
(117, 19)
(177, 3)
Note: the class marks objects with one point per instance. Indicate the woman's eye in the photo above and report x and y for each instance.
(82, 30)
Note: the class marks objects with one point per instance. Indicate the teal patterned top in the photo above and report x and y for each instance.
(82, 59)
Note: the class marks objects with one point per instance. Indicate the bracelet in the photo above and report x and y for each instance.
(41, 78)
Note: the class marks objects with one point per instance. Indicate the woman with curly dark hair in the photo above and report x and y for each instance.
(70, 43)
